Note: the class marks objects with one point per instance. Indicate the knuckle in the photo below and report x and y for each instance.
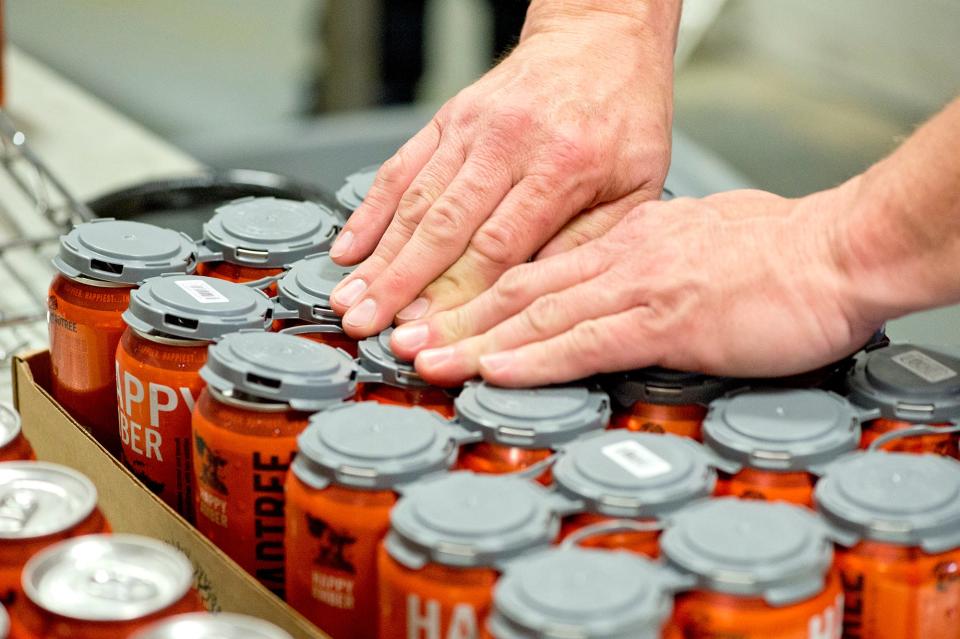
(418, 196)
(444, 220)
(495, 244)
(512, 285)
(588, 342)
(544, 313)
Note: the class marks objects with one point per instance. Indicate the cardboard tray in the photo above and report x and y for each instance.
(132, 508)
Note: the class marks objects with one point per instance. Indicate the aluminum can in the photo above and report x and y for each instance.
(13, 445)
(201, 625)
(303, 296)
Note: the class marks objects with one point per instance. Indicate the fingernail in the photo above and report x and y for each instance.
(361, 314)
(350, 292)
(497, 362)
(434, 357)
(411, 336)
(415, 310)
(342, 244)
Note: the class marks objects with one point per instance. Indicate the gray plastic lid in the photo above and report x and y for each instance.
(281, 368)
(531, 417)
(587, 594)
(124, 252)
(773, 550)
(897, 498)
(195, 307)
(203, 625)
(782, 430)
(657, 385)
(107, 577)
(467, 520)
(375, 446)
(269, 232)
(355, 187)
(908, 382)
(9, 424)
(619, 473)
(39, 499)
(307, 286)
(377, 358)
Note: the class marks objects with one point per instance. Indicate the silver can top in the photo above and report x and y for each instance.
(9, 424)
(39, 499)
(203, 625)
(4, 623)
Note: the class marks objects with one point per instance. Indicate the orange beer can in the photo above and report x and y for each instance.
(659, 400)
(303, 296)
(102, 587)
(260, 390)
(170, 322)
(41, 504)
(522, 427)
(352, 461)
(897, 519)
(13, 445)
(355, 188)
(910, 386)
(761, 570)
(98, 264)
(623, 475)
(449, 539)
(393, 381)
(779, 441)
(583, 593)
(254, 238)
(203, 625)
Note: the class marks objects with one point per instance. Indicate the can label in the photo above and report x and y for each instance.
(201, 291)
(636, 459)
(425, 620)
(924, 366)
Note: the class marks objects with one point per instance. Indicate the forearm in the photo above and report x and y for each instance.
(901, 243)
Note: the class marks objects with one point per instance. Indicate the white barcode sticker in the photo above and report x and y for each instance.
(636, 459)
(201, 291)
(924, 366)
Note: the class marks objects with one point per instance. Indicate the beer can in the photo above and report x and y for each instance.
(897, 518)
(779, 441)
(642, 477)
(13, 445)
(909, 385)
(4, 623)
(659, 400)
(352, 460)
(449, 539)
(201, 625)
(102, 587)
(98, 264)
(588, 594)
(522, 427)
(260, 390)
(40, 505)
(762, 570)
(355, 188)
(399, 382)
(170, 322)
(253, 238)
(303, 296)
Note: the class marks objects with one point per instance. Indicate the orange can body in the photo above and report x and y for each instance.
(333, 534)
(85, 326)
(684, 420)
(17, 450)
(158, 382)
(645, 543)
(496, 459)
(239, 273)
(433, 399)
(795, 487)
(947, 444)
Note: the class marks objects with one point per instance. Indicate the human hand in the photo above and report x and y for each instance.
(742, 283)
(578, 116)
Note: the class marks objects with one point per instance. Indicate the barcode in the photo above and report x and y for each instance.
(636, 459)
(924, 366)
(201, 291)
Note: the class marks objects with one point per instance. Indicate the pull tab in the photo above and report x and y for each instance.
(107, 583)
(264, 282)
(16, 509)
(535, 470)
(912, 431)
(612, 526)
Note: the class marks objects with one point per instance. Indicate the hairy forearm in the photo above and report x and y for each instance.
(901, 243)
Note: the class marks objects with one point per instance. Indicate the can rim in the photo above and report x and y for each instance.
(252, 404)
(9, 436)
(87, 505)
(90, 281)
(169, 340)
(166, 628)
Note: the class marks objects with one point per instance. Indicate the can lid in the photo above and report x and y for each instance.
(40, 498)
(773, 550)
(465, 519)
(124, 252)
(307, 286)
(9, 424)
(898, 498)
(269, 232)
(356, 186)
(203, 625)
(376, 357)
(782, 430)
(196, 307)
(908, 382)
(282, 368)
(657, 385)
(577, 592)
(620, 473)
(4, 623)
(374, 446)
(107, 577)
(531, 417)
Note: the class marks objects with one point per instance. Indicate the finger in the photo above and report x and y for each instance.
(364, 228)
(437, 242)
